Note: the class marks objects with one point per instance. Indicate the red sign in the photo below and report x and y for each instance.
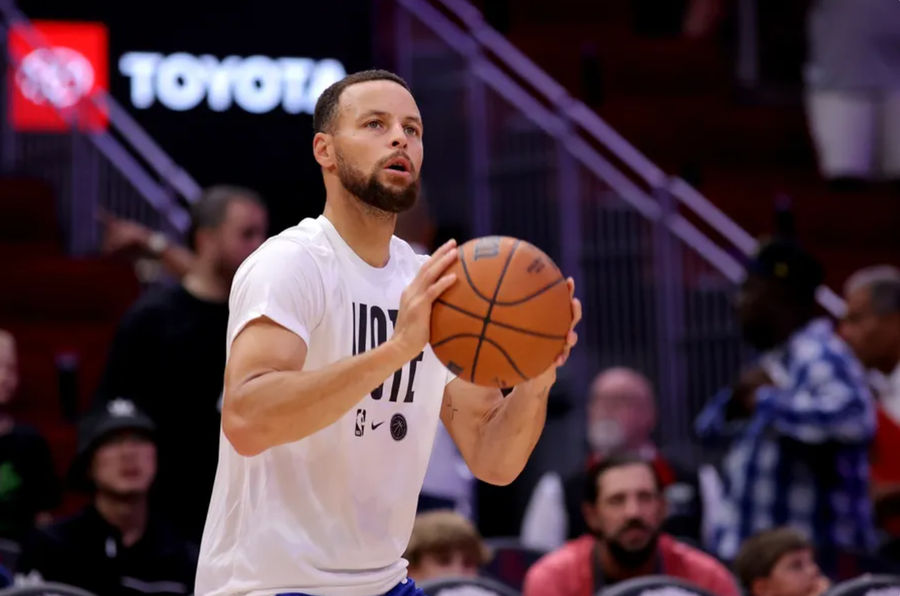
(56, 68)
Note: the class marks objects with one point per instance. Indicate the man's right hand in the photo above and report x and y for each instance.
(413, 328)
(743, 396)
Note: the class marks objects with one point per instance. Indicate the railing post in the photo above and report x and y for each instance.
(481, 209)
(670, 357)
(7, 134)
(748, 44)
(568, 186)
(83, 196)
(402, 43)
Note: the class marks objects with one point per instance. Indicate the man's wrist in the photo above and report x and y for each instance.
(157, 243)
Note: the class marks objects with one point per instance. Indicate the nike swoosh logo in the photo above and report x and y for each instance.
(374, 426)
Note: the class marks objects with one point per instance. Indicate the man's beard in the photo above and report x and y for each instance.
(629, 558)
(372, 192)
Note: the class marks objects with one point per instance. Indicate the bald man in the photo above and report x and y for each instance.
(621, 418)
(621, 414)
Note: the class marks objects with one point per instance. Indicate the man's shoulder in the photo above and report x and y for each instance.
(72, 530)
(26, 436)
(294, 247)
(158, 298)
(679, 555)
(574, 553)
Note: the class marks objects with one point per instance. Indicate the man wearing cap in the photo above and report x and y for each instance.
(115, 545)
(797, 424)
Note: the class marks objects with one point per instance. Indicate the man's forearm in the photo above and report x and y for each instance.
(280, 407)
(510, 432)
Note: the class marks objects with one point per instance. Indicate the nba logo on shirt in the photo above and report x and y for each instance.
(360, 423)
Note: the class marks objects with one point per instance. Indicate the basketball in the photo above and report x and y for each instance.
(506, 318)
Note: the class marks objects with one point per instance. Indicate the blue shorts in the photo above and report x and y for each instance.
(405, 588)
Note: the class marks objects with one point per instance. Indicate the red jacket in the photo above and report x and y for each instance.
(569, 571)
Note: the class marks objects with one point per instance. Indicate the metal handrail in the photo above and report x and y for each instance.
(571, 110)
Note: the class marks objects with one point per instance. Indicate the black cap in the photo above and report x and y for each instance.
(116, 415)
(784, 261)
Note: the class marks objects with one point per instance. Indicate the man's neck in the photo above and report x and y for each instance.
(614, 571)
(129, 515)
(203, 283)
(365, 230)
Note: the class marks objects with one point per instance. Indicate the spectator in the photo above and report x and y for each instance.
(169, 352)
(624, 510)
(28, 484)
(797, 425)
(779, 562)
(853, 88)
(621, 415)
(872, 328)
(444, 544)
(115, 545)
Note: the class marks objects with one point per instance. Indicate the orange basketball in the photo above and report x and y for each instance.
(506, 318)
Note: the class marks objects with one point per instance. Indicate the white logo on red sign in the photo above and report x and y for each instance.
(59, 76)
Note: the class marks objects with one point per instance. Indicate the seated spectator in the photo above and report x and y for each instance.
(28, 485)
(624, 510)
(621, 415)
(444, 544)
(168, 354)
(779, 562)
(116, 545)
(872, 328)
(797, 425)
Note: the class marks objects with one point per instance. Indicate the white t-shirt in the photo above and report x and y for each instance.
(331, 513)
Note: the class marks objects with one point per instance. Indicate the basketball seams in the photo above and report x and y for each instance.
(459, 310)
(462, 260)
(487, 317)
(527, 331)
(500, 349)
(546, 288)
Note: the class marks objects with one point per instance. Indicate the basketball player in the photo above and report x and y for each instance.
(332, 394)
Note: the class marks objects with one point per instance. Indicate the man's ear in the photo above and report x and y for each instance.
(323, 149)
(202, 237)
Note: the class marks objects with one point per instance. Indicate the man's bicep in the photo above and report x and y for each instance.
(263, 346)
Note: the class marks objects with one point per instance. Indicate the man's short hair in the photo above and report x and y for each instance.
(883, 282)
(210, 210)
(788, 264)
(327, 105)
(616, 460)
(441, 533)
(761, 552)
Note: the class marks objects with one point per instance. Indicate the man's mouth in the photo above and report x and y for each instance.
(399, 164)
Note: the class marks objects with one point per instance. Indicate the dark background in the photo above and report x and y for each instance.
(268, 152)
